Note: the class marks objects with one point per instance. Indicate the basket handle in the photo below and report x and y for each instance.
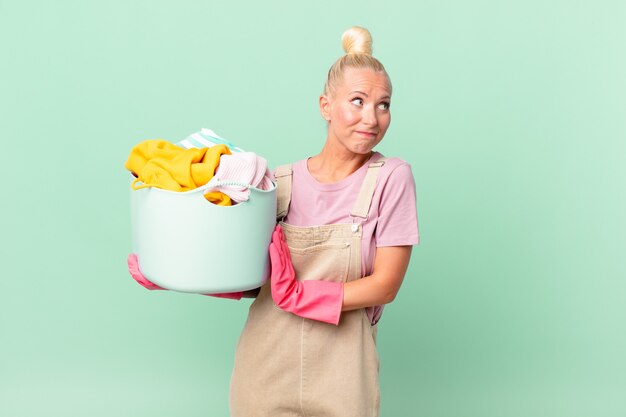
(219, 183)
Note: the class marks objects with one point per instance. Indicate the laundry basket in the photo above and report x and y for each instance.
(188, 244)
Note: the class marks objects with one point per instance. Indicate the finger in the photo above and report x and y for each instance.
(274, 257)
(275, 237)
(277, 260)
(135, 272)
(276, 232)
(279, 242)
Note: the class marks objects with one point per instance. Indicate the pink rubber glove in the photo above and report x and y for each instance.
(311, 299)
(135, 272)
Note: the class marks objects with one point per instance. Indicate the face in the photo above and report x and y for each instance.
(358, 112)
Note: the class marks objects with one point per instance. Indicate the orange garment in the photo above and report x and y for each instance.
(161, 164)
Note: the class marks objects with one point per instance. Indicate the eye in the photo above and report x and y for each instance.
(357, 101)
(384, 105)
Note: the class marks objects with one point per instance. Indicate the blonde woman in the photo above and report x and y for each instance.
(347, 223)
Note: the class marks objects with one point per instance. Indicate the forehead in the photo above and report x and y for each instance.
(364, 80)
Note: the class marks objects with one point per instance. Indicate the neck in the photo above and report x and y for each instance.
(332, 165)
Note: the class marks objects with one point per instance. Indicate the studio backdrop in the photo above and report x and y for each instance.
(511, 114)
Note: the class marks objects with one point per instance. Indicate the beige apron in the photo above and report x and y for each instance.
(286, 365)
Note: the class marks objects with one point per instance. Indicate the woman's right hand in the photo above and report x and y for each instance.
(135, 272)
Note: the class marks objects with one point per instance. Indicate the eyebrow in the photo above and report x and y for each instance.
(361, 92)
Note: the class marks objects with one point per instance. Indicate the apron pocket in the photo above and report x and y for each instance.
(328, 262)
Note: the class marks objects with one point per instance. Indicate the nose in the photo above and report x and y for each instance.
(370, 117)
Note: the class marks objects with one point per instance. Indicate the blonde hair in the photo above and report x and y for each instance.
(357, 42)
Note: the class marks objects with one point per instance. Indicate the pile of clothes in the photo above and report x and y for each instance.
(202, 160)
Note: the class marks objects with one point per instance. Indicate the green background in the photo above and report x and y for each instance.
(510, 113)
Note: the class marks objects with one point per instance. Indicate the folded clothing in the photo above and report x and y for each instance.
(206, 138)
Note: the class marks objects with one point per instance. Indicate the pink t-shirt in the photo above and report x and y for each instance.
(392, 219)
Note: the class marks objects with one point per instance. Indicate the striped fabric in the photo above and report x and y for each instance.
(206, 138)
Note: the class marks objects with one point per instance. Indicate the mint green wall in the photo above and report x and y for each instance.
(510, 113)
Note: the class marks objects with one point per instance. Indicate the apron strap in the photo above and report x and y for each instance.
(283, 176)
(364, 200)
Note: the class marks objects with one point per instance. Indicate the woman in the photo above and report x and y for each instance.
(347, 220)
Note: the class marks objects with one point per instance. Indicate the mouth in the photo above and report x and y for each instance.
(367, 134)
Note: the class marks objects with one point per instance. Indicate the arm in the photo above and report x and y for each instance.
(396, 232)
(381, 287)
(325, 300)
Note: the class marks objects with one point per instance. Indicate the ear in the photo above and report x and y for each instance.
(325, 107)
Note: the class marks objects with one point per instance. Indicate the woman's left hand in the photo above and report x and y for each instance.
(317, 300)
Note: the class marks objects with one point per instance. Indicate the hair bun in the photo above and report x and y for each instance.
(357, 40)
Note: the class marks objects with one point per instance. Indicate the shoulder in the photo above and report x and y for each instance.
(395, 205)
(395, 185)
(395, 169)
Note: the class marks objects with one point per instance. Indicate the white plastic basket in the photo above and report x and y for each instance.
(185, 243)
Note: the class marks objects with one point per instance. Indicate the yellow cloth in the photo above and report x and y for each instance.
(159, 163)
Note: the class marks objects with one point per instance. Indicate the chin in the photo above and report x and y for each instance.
(364, 148)
(361, 151)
